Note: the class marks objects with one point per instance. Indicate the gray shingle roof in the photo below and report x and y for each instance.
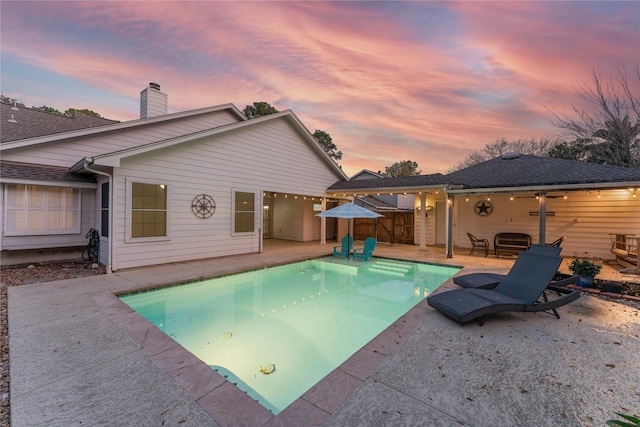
(530, 171)
(31, 172)
(522, 171)
(32, 123)
(376, 203)
(396, 182)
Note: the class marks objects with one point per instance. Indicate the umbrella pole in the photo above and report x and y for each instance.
(348, 239)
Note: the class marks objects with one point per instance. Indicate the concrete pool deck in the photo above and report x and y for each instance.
(80, 356)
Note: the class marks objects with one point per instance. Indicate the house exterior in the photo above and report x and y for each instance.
(588, 204)
(165, 188)
(208, 183)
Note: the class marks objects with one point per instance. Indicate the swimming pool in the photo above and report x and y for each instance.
(276, 332)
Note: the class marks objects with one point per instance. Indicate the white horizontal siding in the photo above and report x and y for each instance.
(270, 156)
(583, 219)
(67, 153)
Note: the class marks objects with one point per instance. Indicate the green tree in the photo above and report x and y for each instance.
(403, 168)
(325, 140)
(71, 112)
(47, 109)
(536, 147)
(574, 150)
(7, 100)
(258, 109)
(610, 126)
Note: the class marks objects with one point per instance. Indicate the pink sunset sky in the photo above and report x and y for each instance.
(430, 82)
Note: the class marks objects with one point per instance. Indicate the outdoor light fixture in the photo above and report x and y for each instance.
(565, 196)
(511, 198)
(598, 194)
(467, 199)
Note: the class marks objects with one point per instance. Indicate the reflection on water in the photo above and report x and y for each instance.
(276, 332)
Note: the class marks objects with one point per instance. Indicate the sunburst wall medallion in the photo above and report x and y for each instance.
(203, 206)
(483, 208)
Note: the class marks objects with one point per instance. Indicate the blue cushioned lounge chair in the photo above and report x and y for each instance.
(344, 248)
(520, 291)
(366, 252)
(491, 280)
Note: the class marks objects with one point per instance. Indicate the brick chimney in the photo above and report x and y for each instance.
(152, 101)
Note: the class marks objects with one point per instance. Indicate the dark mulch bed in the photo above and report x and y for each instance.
(627, 288)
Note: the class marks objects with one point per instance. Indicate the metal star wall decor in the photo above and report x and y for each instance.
(483, 208)
(203, 206)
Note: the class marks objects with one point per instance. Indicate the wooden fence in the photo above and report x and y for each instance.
(394, 227)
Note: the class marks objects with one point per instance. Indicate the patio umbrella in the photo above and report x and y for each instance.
(349, 211)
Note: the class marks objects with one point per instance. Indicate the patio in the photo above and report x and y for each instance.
(79, 356)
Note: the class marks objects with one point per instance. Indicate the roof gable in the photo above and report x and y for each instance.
(366, 174)
(113, 159)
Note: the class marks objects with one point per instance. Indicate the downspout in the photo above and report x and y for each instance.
(85, 166)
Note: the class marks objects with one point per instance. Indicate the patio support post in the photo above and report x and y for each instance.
(423, 219)
(542, 208)
(449, 224)
(323, 222)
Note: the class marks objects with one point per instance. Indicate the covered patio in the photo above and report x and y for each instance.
(545, 198)
(79, 356)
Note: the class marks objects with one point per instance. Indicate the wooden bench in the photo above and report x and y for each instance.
(625, 248)
(511, 243)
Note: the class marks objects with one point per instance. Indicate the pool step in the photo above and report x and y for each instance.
(390, 267)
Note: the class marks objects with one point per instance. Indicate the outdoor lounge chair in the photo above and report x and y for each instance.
(491, 280)
(519, 291)
(478, 244)
(365, 252)
(344, 248)
(556, 242)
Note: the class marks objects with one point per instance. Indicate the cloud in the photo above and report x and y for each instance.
(423, 81)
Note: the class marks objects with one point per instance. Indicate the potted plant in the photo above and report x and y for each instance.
(586, 268)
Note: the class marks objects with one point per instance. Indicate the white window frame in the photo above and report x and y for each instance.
(257, 206)
(10, 230)
(129, 215)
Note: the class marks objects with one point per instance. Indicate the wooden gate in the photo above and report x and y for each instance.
(394, 227)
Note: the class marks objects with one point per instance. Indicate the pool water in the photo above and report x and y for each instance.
(276, 332)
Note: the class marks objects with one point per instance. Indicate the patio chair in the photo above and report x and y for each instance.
(365, 252)
(519, 291)
(491, 280)
(344, 248)
(478, 244)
